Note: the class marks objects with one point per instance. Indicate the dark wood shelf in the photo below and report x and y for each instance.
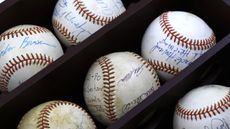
(64, 78)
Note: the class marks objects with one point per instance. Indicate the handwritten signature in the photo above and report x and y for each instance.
(136, 101)
(106, 10)
(171, 52)
(134, 72)
(217, 123)
(6, 50)
(27, 41)
(79, 29)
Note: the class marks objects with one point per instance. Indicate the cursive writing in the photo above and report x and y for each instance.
(136, 101)
(94, 99)
(106, 10)
(217, 123)
(93, 88)
(135, 72)
(30, 42)
(64, 3)
(62, 12)
(6, 50)
(177, 54)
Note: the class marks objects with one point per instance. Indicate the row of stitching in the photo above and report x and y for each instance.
(205, 112)
(200, 44)
(161, 66)
(19, 62)
(64, 31)
(149, 67)
(109, 87)
(100, 20)
(23, 32)
(43, 119)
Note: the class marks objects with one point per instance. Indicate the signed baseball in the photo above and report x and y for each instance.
(57, 115)
(174, 40)
(75, 20)
(206, 107)
(25, 50)
(116, 83)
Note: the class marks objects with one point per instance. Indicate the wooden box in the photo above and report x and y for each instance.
(64, 78)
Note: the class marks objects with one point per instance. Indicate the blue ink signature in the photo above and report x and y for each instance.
(79, 29)
(106, 10)
(176, 54)
(63, 3)
(28, 42)
(6, 50)
(217, 123)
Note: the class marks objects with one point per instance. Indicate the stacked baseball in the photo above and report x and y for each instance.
(116, 83)
(75, 20)
(205, 107)
(57, 114)
(24, 51)
(174, 40)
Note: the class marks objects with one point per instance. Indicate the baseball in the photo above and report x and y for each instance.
(75, 20)
(25, 50)
(174, 40)
(117, 82)
(206, 107)
(57, 115)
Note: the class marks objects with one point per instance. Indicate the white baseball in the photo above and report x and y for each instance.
(116, 83)
(206, 107)
(57, 115)
(174, 40)
(24, 51)
(75, 20)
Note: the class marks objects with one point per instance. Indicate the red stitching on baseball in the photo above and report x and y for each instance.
(100, 20)
(149, 67)
(205, 112)
(196, 44)
(43, 119)
(109, 87)
(65, 32)
(161, 66)
(23, 32)
(19, 62)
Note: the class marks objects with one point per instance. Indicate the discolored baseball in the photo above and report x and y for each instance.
(116, 83)
(56, 114)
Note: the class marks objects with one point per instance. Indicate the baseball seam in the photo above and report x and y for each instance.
(90, 16)
(22, 32)
(19, 62)
(64, 31)
(195, 44)
(209, 111)
(43, 119)
(161, 66)
(150, 68)
(108, 87)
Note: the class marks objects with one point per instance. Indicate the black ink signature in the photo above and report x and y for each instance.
(136, 101)
(134, 72)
